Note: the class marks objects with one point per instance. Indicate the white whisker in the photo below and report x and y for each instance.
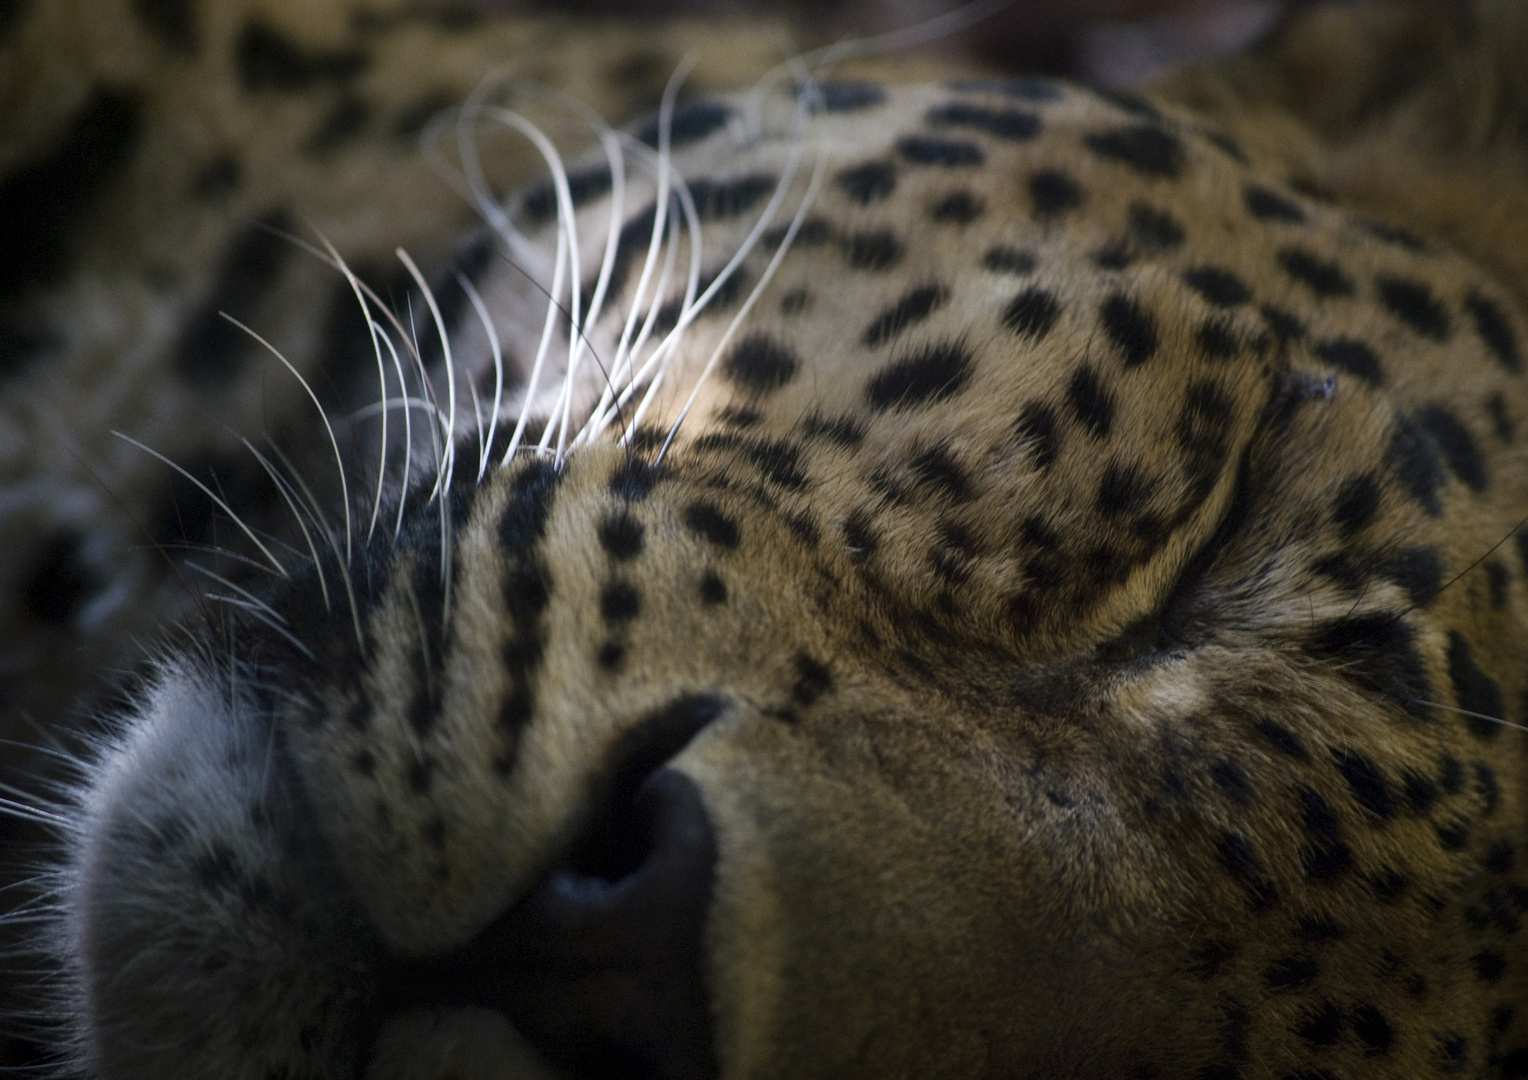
(447, 462)
(334, 444)
(753, 296)
(221, 505)
(281, 486)
(485, 444)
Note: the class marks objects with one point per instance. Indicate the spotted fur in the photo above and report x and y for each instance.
(1051, 609)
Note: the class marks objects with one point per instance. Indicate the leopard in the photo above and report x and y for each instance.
(878, 568)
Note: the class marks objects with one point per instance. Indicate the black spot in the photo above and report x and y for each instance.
(1283, 740)
(937, 469)
(1416, 569)
(1495, 330)
(1285, 327)
(1037, 425)
(877, 250)
(1266, 205)
(218, 179)
(1115, 255)
(1130, 329)
(1413, 456)
(1488, 788)
(957, 208)
(1393, 234)
(621, 535)
(1321, 928)
(690, 123)
(932, 150)
(1499, 858)
(1453, 835)
(619, 602)
(1458, 445)
(634, 479)
(1217, 339)
(211, 350)
(1323, 278)
(172, 21)
(741, 419)
(1322, 1026)
(760, 365)
(723, 200)
(1357, 503)
(1090, 402)
(859, 537)
(713, 590)
(868, 182)
(269, 60)
(1241, 862)
(705, 520)
(1377, 651)
(1327, 856)
(59, 581)
(1154, 230)
(930, 375)
(838, 430)
(611, 655)
(1366, 782)
(539, 204)
(1291, 973)
(1498, 581)
(1373, 1030)
(1007, 260)
(1220, 287)
(1054, 192)
(1474, 690)
(1127, 101)
(1232, 781)
(779, 460)
(1454, 1049)
(912, 308)
(41, 203)
(813, 680)
(1388, 884)
(1148, 150)
(346, 121)
(1032, 313)
(795, 302)
(1015, 125)
(411, 121)
(1208, 959)
(1123, 489)
(1489, 965)
(1501, 421)
(1414, 304)
(847, 96)
(1450, 774)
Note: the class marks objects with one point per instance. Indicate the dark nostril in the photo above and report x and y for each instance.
(601, 965)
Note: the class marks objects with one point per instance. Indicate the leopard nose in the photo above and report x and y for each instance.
(600, 965)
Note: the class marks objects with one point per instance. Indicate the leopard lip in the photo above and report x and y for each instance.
(603, 975)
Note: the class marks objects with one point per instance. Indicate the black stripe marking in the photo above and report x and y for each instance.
(912, 308)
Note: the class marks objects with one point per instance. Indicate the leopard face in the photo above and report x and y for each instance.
(993, 581)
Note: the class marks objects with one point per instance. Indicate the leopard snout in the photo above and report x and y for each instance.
(600, 965)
